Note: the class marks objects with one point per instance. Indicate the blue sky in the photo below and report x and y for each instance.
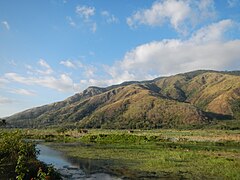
(51, 49)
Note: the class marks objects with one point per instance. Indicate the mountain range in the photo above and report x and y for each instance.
(191, 98)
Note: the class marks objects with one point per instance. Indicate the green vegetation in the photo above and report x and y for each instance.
(147, 154)
(18, 158)
(3, 123)
(236, 108)
(203, 105)
(191, 99)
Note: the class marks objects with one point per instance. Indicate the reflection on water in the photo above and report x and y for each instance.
(50, 156)
(71, 168)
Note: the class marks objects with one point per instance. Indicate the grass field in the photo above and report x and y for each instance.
(175, 154)
(142, 154)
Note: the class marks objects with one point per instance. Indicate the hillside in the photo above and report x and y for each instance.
(185, 99)
(214, 92)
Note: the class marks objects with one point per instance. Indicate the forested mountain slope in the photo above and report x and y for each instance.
(185, 99)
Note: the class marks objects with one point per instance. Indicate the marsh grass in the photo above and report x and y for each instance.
(196, 154)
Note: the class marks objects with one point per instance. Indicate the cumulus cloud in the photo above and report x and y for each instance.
(206, 49)
(179, 13)
(23, 92)
(174, 56)
(6, 25)
(110, 18)
(175, 11)
(206, 9)
(213, 32)
(85, 11)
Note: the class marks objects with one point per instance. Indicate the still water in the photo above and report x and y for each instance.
(72, 168)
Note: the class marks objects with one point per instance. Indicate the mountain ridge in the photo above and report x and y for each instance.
(197, 97)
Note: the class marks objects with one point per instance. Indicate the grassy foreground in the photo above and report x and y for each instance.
(175, 154)
(18, 158)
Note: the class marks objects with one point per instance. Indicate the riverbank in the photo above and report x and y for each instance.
(147, 154)
(71, 168)
(200, 154)
(18, 159)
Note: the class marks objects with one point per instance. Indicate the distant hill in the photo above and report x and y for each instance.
(192, 98)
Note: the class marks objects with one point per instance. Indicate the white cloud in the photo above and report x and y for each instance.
(47, 69)
(174, 11)
(63, 83)
(206, 9)
(85, 11)
(43, 69)
(43, 63)
(174, 56)
(110, 18)
(179, 13)
(71, 22)
(17, 78)
(72, 64)
(89, 71)
(5, 100)
(206, 49)
(6, 25)
(213, 32)
(68, 64)
(23, 92)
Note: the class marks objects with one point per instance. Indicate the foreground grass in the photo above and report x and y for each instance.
(18, 159)
(198, 154)
(194, 165)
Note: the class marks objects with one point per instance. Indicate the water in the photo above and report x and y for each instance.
(71, 168)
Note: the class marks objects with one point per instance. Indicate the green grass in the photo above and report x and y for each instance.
(18, 158)
(195, 164)
(198, 154)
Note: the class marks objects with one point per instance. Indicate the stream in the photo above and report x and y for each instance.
(72, 168)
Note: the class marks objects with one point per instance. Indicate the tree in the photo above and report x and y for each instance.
(3, 122)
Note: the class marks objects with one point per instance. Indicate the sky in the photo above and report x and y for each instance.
(52, 49)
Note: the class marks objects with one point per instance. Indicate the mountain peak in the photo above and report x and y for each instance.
(187, 98)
